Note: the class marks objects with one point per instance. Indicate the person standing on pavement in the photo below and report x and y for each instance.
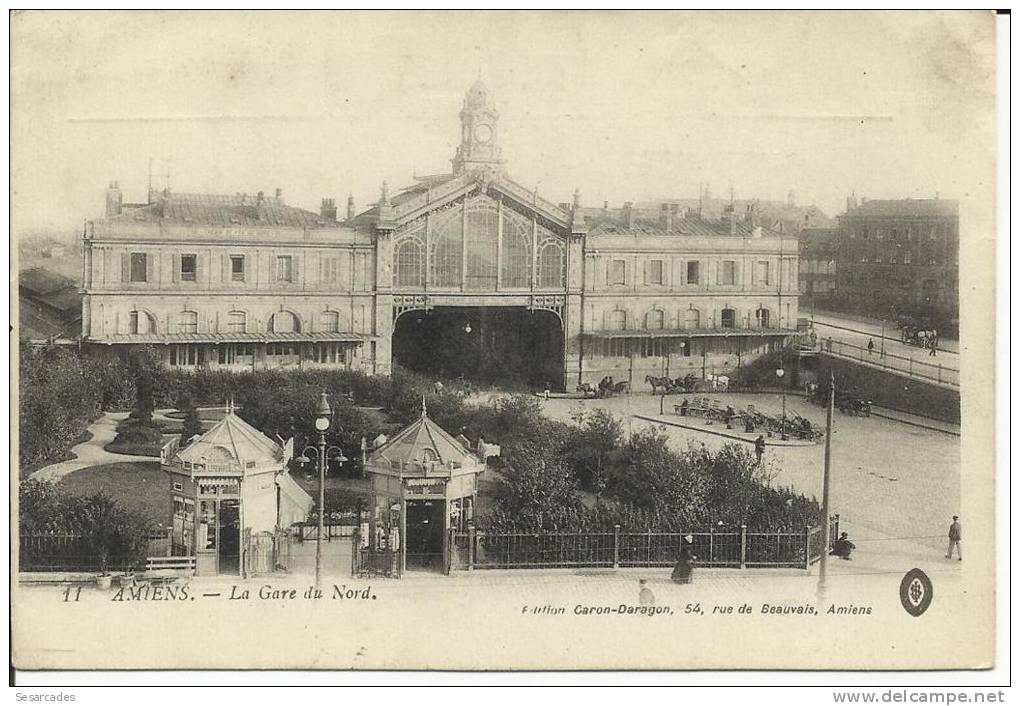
(683, 570)
(934, 347)
(871, 346)
(759, 447)
(955, 538)
(645, 597)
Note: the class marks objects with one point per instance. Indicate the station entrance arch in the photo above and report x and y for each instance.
(507, 346)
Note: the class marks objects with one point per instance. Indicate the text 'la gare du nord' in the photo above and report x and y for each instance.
(266, 592)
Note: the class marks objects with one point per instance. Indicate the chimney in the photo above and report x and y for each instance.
(328, 210)
(731, 217)
(350, 206)
(279, 195)
(114, 200)
(577, 215)
(628, 213)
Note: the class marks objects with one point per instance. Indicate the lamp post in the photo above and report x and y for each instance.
(323, 413)
(780, 372)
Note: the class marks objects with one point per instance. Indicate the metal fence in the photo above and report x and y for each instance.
(737, 548)
(266, 552)
(309, 533)
(920, 367)
(60, 551)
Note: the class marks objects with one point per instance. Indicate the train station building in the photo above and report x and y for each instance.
(466, 272)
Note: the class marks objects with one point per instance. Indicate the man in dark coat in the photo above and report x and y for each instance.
(759, 447)
(955, 535)
(842, 547)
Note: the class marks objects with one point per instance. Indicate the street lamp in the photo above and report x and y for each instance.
(323, 413)
(779, 374)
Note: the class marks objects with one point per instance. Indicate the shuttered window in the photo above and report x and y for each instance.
(139, 267)
(284, 268)
(654, 272)
(618, 272)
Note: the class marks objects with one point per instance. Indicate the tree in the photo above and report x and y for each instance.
(535, 487)
(192, 423)
(654, 477)
(142, 412)
(593, 447)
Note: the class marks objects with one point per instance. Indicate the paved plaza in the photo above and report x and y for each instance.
(891, 482)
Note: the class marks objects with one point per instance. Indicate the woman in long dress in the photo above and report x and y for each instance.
(683, 571)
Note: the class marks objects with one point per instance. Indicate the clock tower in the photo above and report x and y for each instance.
(479, 123)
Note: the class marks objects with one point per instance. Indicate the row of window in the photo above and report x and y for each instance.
(655, 319)
(897, 260)
(655, 272)
(186, 355)
(186, 268)
(662, 347)
(186, 321)
(904, 233)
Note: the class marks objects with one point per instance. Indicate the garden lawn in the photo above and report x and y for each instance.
(141, 488)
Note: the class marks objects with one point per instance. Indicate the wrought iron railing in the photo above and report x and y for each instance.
(736, 548)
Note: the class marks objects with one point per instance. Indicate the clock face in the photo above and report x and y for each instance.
(483, 133)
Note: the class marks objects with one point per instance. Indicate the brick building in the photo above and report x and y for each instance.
(900, 258)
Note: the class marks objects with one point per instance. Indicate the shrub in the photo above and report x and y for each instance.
(112, 533)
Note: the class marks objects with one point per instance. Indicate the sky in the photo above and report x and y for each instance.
(623, 106)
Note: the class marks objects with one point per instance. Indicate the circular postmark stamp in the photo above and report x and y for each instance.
(916, 592)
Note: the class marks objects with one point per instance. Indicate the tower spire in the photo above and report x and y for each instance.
(424, 412)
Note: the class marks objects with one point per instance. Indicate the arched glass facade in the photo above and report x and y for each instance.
(479, 247)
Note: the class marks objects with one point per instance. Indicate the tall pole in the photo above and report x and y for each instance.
(825, 488)
(782, 381)
(322, 508)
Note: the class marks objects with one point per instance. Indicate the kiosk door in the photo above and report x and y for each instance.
(230, 537)
(425, 534)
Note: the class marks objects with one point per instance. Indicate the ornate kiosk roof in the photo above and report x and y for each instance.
(231, 447)
(423, 448)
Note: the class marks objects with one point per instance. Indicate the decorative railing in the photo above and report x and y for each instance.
(737, 548)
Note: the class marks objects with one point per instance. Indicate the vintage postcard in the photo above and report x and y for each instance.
(503, 340)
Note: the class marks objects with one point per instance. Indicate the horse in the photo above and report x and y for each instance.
(620, 388)
(665, 383)
(587, 390)
(719, 382)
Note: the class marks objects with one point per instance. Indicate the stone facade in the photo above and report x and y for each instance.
(249, 282)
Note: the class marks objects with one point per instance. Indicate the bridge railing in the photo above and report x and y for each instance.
(920, 367)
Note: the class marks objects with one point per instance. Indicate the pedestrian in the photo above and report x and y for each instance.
(759, 447)
(871, 346)
(842, 547)
(645, 597)
(955, 537)
(934, 348)
(683, 570)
